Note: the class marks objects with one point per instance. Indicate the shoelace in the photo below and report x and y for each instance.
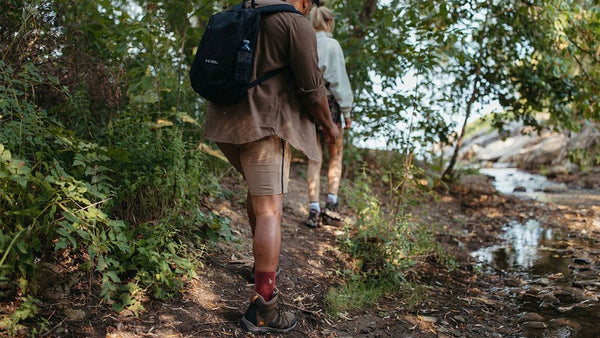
(281, 318)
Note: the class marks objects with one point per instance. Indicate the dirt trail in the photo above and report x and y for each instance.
(458, 302)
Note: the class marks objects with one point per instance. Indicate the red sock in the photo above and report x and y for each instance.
(264, 284)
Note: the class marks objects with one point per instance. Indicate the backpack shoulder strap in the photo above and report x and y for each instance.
(270, 10)
(267, 76)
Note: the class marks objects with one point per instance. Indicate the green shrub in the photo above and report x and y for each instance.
(28, 308)
(159, 172)
(384, 245)
(109, 204)
(383, 242)
(98, 160)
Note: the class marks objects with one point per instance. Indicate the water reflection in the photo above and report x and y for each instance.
(545, 258)
(520, 249)
(529, 185)
(558, 285)
(507, 179)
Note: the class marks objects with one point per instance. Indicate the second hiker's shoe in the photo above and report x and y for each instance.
(331, 206)
(314, 219)
(267, 317)
(331, 216)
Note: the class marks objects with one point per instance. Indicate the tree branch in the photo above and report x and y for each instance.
(364, 17)
(579, 61)
(367, 13)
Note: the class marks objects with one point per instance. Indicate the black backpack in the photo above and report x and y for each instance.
(223, 63)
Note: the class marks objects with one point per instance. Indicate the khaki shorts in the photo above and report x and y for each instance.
(265, 164)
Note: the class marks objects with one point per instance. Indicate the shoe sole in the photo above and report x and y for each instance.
(336, 224)
(332, 214)
(311, 225)
(332, 221)
(246, 325)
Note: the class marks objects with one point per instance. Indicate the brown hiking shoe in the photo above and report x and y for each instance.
(314, 219)
(331, 206)
(267, 317)
(331, 216)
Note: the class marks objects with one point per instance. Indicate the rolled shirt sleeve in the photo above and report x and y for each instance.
(304, 62)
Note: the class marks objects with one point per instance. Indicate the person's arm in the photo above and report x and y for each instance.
(319, 110)
(308, 78)
(335, 74)
(348, 121)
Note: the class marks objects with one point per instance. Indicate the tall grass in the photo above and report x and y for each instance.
(385, 244)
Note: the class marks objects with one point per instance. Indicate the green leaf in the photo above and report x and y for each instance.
(71, 217)
(5, 155)
(113, 276)
(22, 246)
(101, 265)
(61, 243)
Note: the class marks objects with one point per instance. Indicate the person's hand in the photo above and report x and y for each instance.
(347, 123)
(331, 132)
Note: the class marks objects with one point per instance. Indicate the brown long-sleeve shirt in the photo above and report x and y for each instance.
(275, 106)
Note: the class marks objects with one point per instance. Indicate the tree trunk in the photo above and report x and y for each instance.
(365, 17)
(449, 172)
(367, 12)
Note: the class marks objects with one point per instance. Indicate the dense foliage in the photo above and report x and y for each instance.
(99, 157)
(423, 69)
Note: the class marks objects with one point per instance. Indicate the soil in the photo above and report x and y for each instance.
(456, 299)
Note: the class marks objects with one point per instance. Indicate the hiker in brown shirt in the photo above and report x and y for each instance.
(255, 135)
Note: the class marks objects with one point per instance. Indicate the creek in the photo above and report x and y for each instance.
(559, 285)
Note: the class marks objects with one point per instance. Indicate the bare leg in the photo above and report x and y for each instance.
(313, 176)
(251, 215)
(334, 172)
(268, 211)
